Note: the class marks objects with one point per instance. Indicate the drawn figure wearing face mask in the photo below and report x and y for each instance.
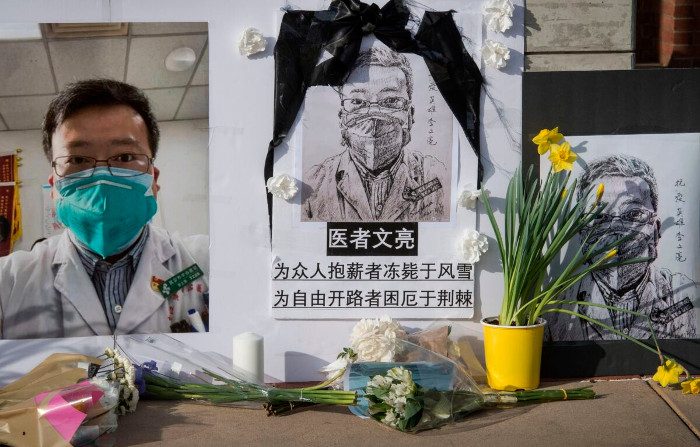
(375, 139)
(636, 226)
(630, 217)
(375, 177)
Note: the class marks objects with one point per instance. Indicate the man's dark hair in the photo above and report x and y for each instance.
(97, 92)
(383, 57)
(620, 166)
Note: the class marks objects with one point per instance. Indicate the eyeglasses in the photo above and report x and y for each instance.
(390, 104)
(634, 216)
(81, 166)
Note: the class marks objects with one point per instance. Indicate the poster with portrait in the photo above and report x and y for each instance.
(653, 205)
(644, 148)
(375, 226)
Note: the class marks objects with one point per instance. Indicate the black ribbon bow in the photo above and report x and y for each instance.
(305, 35)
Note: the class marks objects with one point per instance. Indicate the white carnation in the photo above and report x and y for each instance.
(282, 186)
(470, 195)
(251, 42)
(376, 340)
(498, 14)
(473, 245)
(495, 54)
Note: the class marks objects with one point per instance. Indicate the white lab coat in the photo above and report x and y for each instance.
(47, 293)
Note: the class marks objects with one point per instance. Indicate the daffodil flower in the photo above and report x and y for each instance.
(599, 192)
(546, 138)
(611, 253)
(691, 386)
(598, 195)
(667, 374)
(562, 157)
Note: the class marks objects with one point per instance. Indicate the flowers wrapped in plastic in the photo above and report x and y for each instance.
(174, 371)
(46, 407)
(419, 381)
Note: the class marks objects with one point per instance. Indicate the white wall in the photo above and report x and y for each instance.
(33, 173)
(241, 114)
(183, 159)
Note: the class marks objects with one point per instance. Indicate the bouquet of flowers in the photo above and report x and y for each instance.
(396, 400)
(419, 381)
(47, 407)
(174, 371)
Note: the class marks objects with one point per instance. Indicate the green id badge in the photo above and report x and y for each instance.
(180, 280)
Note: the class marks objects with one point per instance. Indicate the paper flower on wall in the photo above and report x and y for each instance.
(252, 42)
(495, 54)
(470, 195)
(282, 186)
(473, 245)
(498, 14)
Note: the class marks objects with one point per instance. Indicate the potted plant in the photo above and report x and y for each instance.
(540, 219)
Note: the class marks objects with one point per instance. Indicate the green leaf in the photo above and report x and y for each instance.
(413, 406)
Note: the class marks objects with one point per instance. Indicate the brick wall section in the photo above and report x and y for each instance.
(686, 34)
(678, 32)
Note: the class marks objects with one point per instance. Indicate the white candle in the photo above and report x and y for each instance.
(248, 355)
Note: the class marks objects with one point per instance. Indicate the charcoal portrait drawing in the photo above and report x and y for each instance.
(370, 174)
(631, 192)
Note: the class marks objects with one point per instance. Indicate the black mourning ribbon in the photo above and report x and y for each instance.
(305, 35)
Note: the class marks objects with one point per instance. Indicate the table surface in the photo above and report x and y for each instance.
(625, 413)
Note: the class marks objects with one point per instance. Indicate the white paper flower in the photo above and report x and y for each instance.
(282, 186)
(470, 195)
(498, 14)
(473, 245)
(375, 340)
(495, 54)
(252, 42)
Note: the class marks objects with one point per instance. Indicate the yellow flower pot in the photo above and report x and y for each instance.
(513, 355)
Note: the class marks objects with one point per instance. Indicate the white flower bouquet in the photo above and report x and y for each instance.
(397, 400)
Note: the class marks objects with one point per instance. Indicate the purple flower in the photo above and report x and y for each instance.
(150, 366)
(140, 375)
(139, 380)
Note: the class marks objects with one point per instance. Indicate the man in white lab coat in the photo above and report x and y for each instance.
(110, 271)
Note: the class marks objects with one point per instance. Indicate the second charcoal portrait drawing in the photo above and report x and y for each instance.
(648, 210)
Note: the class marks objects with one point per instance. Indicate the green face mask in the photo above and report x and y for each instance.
(106, 212)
